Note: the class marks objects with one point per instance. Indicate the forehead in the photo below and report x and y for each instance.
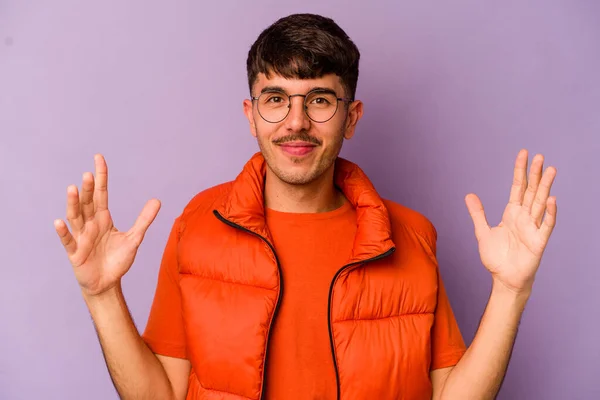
(297, 85)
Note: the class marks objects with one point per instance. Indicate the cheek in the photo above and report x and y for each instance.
(264, 130)
(334, 132)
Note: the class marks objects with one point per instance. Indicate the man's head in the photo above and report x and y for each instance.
(311, 59)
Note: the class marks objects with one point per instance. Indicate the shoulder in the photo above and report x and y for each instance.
(205, 201)
(405, 219)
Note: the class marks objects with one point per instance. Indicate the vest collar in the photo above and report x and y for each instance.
(244, 205)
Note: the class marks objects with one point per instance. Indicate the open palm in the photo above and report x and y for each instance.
(99, 253)
(512, 251)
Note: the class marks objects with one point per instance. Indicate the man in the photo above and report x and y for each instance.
(296, 280)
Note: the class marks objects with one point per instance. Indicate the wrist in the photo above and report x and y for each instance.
(109, 294)
(510, 295)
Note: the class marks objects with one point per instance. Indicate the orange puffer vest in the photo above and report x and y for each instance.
(381, 303)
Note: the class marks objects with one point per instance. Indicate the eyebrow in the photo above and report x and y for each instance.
(280, 89)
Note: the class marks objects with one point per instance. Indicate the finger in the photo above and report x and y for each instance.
(535, 176)
(478, 215)
(87, 196)
(73, 210)
(550, 220)
(519, 184)
(543, 192)
(143, 221)
(101, 186)
(65, 236)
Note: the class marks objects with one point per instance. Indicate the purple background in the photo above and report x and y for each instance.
(452, 91)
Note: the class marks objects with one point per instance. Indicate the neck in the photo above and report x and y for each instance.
(315, 197)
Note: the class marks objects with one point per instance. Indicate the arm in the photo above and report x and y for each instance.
(100, 256)
(135, 370)
(512, 252)
(480, 372)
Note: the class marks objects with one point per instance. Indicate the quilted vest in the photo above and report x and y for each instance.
(381, 302)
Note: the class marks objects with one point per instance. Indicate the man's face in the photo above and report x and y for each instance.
(298, 150)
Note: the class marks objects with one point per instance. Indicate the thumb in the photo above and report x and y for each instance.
(143, 221)
(477, 214)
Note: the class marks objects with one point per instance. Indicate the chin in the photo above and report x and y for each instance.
(296, 170)
(300, 175)
(297, 180)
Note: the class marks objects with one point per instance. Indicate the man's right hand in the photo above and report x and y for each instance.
(99, 253)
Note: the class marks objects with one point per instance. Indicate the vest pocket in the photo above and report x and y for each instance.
(226, 328)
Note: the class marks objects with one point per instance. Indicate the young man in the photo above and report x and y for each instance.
(296, 280)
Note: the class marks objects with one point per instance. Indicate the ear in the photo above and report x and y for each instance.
(355, 113)
(249, 111)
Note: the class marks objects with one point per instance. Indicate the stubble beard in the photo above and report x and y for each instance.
(323, 163)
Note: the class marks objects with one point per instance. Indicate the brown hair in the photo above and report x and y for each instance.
(304, 46)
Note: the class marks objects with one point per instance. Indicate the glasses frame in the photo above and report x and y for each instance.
(289, 106)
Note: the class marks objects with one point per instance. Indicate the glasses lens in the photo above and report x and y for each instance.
(273, 106)
(321, 106)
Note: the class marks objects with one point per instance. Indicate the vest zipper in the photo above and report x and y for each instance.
(335, 366)
(279, 295)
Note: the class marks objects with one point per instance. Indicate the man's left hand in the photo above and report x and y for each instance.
(512, 251)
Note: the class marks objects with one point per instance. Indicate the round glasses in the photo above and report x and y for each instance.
(319, 105)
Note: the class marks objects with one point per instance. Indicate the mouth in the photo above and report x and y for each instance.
(298, 148)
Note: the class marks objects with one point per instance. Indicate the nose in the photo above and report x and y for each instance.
(297, 120)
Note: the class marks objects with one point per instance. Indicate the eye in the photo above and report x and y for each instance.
(321, 100)
(275, 99)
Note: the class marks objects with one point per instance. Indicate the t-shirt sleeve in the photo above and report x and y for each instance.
(164, 333)
(447, 342)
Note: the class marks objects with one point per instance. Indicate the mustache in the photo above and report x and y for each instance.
(300, 137)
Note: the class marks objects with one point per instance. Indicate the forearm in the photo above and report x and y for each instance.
(479, 373)
(135, 371)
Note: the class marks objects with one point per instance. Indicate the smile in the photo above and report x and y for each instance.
(298, 148)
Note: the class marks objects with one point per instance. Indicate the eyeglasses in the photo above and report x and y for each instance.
(319, 105)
